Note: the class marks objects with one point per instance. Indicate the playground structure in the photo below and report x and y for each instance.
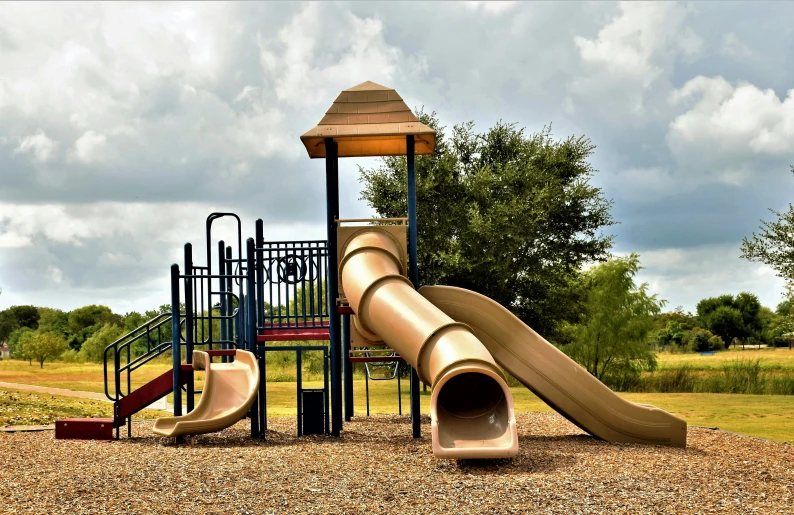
(358, 290)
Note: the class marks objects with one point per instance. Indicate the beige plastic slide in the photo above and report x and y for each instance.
(229, 391)
(553, 376)
(471, 407)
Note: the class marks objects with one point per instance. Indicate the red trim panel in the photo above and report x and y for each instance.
(84, 429)
(155, 389)
(294, 333)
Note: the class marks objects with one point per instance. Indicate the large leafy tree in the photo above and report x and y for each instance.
(509, 214)
(612, 344)
(731, 317)
(16, 317)
(43, 346)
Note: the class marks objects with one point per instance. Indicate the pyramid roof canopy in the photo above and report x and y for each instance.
(369, 120)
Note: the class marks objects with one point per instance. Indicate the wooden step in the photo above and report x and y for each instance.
(84, 429)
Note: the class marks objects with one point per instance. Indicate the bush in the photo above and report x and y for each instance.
(93, 349)
(702, 340)
(71, 356)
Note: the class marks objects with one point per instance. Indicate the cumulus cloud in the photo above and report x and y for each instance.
(632, 53)
(39, 145)
(733, 121)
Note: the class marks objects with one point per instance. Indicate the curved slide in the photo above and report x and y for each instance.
(553, 376)
(471, 407)
(229, 391)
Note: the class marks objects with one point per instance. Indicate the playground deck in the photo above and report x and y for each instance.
(376, 467)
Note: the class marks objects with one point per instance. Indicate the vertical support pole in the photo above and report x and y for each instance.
(299, 377)
(229, 288)
(366, 389)
(223, 300)
(260, 316)
(399, 392)
(189, 322)
(332, 214)
(413, 272)
(176, 360)
(250, 323)
(348, 368)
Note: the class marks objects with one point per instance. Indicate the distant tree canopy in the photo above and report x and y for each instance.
(505, 213)
(731, 317)
(16, 317)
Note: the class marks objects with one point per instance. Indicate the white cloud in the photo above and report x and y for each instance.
(492, 7)
(42, 147)
(90, 147)
(732, 121)
(297, 62)
(632, 52)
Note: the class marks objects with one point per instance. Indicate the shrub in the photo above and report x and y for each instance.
(702, 340)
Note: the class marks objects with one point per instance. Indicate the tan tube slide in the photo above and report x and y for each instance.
(471, 407)
(229, 391)
(553, 376)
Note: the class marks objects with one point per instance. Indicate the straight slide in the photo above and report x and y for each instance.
(229, 391)
(554, 377)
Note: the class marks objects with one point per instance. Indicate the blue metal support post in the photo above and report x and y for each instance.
(332, 215)
(176, 359)
(189, 322)
(260, 318)
(348, 367)
(221, 289)
(413, 272)
(230, 323)
(250, 323)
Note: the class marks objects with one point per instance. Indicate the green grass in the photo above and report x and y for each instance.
(770, 359)
(24, 408)
(764, 416)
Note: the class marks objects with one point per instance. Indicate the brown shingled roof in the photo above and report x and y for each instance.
(369, 120)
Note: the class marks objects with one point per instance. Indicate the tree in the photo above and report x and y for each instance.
(508, 214)
(85, 321)
(731, 318)
(16, 341)
(611, 343)
(702, 340)
(15, 317)
(43, 346)
(93, 349)
(774, 246)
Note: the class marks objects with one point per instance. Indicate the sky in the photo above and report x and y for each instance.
(123, 125)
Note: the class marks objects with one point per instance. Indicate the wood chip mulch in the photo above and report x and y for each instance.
(376, 467)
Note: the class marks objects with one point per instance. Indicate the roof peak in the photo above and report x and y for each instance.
(369, 86)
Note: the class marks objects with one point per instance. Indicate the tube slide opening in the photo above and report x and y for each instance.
(474, 416)
(470, 395)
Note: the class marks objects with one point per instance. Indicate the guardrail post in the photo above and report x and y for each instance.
(189, 322)
(250, 308)
(413, 272)
(176, 359)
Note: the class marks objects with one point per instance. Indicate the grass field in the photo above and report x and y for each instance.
(770, 359)
(23, 408)
(764, 416)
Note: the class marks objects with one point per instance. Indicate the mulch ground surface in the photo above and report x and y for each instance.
(376, 467)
